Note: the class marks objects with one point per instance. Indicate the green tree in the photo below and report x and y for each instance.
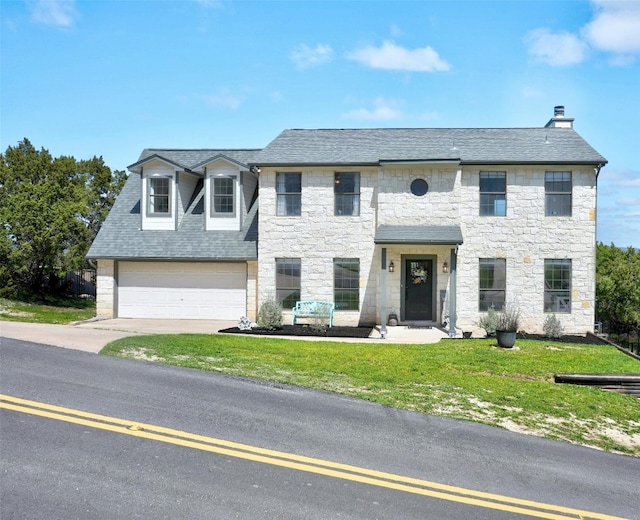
(618, 285)
(50, 211)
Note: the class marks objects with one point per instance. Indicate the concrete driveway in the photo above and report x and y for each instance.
(93, 335)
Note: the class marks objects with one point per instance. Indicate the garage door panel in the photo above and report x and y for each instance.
(182, 290)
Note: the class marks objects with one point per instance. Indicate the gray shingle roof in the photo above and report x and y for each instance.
(191, 159)
(434, 235)
(121, 238)
(468, 145)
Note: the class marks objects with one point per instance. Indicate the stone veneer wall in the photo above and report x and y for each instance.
(252, 290)
(525, 237)
(317, 237)
(105, 289)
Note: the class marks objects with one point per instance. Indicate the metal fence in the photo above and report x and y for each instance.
(627, 338)
(79, 283)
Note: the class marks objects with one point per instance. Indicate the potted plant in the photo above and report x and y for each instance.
(507, 326)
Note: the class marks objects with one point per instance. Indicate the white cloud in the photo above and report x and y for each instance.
(531, 92)
(396, 30)
(223, 99)
(61, 13)
(305, 57)
(393, 57)
(634, 202)
(384, 110)
(210, 3)
(277, 97)
(556, 49)
(616, 27)
(631, 182)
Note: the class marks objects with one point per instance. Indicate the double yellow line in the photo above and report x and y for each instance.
(300, 463)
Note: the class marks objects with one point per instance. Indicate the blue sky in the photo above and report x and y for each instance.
(110, 78)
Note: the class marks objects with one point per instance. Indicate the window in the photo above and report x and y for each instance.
(557, 188)
(557, 286)
(159, 196)
(346, 187)
(288, 281)
(493, 194)
(223, 189)
(419, 187)
(493, 283)
(346, 284)
(288, 189)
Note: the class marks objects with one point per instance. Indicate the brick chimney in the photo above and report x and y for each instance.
(558, 120)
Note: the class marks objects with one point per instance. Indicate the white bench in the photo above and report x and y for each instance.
(313, 309)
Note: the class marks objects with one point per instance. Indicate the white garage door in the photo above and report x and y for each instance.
(182, 290)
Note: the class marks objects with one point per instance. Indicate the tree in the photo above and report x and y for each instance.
(618, 285)
(50, 211)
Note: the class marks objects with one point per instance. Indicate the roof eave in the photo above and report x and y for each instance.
(419, 242)
(309, 164)
(593, 162)
(135, 167)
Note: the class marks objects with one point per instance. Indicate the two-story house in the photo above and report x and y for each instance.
(434, 225)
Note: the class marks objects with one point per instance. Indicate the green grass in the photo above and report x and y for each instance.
(465, 379)
(56, 310)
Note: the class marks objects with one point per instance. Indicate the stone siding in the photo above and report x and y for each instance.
(105, 289)
(525, 237)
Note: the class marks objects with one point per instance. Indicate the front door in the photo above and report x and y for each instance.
(418, 290)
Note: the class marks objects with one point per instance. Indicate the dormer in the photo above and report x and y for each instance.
(159, 198)
(224, 195)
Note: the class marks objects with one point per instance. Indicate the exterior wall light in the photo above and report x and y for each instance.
(445, 267)
(392, 267)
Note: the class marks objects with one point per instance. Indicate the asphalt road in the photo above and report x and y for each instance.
(59, 462)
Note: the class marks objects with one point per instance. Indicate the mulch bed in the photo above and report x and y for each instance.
(306, 330)
(589, 339)
(365, 332)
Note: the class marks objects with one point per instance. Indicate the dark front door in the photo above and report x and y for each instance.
(418, 290)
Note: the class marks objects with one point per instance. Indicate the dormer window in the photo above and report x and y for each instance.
(223, 195)
(159, 196)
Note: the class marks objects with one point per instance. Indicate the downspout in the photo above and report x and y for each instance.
(597, 169)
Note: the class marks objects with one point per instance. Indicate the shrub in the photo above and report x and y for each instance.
(489, 322)
(509, 319)
(552, 326)
(321, 320)
(270, 315)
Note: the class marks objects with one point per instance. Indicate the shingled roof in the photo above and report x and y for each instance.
(120, 236)
(190, 160)
(466, 145)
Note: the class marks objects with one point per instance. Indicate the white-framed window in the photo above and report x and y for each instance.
(493, 194)
(557, 285)
(159, 196)
(288, 277)
(346, 188)
(493, 283)
(557, 189)
(289, 194)
(346, 284)
(223, 195)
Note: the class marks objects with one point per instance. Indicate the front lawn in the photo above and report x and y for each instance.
(56, 310)
(465, 379)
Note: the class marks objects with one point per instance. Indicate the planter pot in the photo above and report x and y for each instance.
(506, 339)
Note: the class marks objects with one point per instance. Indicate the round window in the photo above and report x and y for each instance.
(419, 187)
